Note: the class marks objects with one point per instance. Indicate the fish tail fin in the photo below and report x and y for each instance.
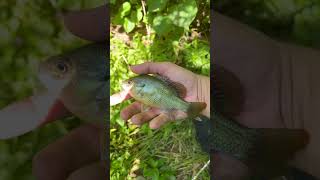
(275, 147)
(195, 108)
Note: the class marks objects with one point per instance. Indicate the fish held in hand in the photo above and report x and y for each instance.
(80, 76)
(75, 80)
(159, 92)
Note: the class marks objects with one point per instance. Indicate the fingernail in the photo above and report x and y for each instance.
(134, 121)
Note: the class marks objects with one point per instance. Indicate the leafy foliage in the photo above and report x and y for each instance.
(296, 21)
(172, 151)
(31, 31)
(162, 16)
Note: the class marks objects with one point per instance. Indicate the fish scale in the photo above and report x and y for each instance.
(229, 137)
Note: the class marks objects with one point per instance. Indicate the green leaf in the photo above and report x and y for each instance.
(153, 163)
(156, 5)
(128, 25)
(120, 122)
(183, 14)
(136, 16)
(139, 14)
(125, 9)
(162, 25)
(152, 173)
(167, 177)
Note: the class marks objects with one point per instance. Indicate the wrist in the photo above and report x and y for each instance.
(203, 93)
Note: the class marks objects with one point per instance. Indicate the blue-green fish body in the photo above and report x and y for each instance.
(156, 91)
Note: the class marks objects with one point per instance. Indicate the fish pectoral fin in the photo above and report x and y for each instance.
(174, 114)
(225, 167)
(170, 114)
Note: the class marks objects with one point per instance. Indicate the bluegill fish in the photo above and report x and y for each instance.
(159, 92)
(81, 76)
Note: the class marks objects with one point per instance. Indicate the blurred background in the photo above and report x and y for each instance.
(176, 31)
(31, 31)
(296, 21)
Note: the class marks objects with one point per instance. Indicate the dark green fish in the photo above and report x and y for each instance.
(81, 77)
(256, 146)
(159, 92)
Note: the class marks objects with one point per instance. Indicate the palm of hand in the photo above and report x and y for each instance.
(258, 80)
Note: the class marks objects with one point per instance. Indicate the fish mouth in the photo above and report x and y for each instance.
(126, 85)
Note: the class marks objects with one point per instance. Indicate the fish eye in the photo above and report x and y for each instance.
(62, 67)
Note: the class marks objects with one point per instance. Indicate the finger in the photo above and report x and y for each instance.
(94, 171)
(158, 121)
(151, 68)
(144, 117)
(73, 151)
(119, 97)
(130, 110)
(25, 115)
(88, 24)
(57, 111)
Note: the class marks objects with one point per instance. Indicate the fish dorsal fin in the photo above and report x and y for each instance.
(177, 88)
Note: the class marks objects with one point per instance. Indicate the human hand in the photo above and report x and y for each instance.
(254, 59)
(275, 79)
(197, 90)
(76, 155)
(248, 67)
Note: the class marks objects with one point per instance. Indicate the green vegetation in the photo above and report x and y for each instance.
(163, 31)
(296, 21)
(31, 31)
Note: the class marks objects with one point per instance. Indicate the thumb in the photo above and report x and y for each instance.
(88, 24)
(152, 68)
